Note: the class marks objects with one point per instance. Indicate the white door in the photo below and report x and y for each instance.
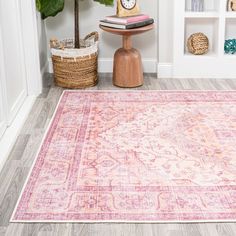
(3, 121)
(15, 70)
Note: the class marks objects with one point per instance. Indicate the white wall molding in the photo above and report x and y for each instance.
(105, 65)
(3, 95)
(9, 137)
(164, 70)
(31, 48)
(150, 65)
(165, 28)
(16, 107)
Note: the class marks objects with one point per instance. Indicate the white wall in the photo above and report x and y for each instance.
(43, 44)
(61, 27)
(166, 29)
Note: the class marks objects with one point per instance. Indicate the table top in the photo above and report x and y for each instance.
(127, 32)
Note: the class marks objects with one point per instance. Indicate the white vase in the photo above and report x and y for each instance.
(197, 5)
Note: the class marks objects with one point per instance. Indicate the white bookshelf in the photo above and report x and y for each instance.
(218, 25)
(210, 14)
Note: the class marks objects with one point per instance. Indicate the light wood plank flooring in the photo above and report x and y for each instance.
(20, 160)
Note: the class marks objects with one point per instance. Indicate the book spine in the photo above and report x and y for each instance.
(140, 24)
(115, 26)
(128, 20)
(117, 21)
(136, 19)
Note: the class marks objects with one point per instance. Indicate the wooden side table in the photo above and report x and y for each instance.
(127, 67)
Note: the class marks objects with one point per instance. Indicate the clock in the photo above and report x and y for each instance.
(127, 8)
(128, 4)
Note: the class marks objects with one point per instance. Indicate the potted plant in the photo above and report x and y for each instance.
(74, 60)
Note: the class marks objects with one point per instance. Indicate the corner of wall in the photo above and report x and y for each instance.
(165, 70)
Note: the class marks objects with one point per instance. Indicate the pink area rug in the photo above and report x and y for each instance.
(135, 157)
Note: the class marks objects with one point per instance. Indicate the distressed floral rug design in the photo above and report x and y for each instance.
(135, 157)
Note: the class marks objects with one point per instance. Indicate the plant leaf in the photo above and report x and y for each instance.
(53, 7)
(49, 7)
(105, 2)
(38, 5)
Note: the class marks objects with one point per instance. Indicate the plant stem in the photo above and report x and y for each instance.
(77, 43)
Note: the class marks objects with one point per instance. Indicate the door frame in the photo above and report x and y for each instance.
(31, 46)
(28, 33)
(3, 115)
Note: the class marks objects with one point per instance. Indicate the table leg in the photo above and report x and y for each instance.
(127, 68)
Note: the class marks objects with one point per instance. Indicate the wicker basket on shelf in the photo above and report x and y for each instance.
(198, 44)
(75, 68)
(231, 5)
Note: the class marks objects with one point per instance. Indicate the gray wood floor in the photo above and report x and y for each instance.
(20, 160)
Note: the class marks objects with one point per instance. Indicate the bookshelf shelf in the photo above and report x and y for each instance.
(230, 15)
(218, 25)
(210, 55)
(209, 14)
(230, 56)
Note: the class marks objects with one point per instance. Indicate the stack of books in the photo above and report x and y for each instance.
(127, 22)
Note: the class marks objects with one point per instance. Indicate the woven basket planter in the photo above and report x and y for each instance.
(198, 44)
(75, 68)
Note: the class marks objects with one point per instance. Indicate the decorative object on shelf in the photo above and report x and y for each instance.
(127, 8)
(197, 5)
(230, 46)
(231, 5)
(74, 61)
(198, 44)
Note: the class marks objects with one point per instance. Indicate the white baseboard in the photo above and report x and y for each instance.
(105, 65)
(9, 137)
(50, 67)
(165, 70)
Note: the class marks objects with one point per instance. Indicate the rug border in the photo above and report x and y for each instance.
(124, 222)
(105, 221)
(35, 158)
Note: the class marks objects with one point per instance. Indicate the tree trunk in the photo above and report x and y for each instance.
(77, 43)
